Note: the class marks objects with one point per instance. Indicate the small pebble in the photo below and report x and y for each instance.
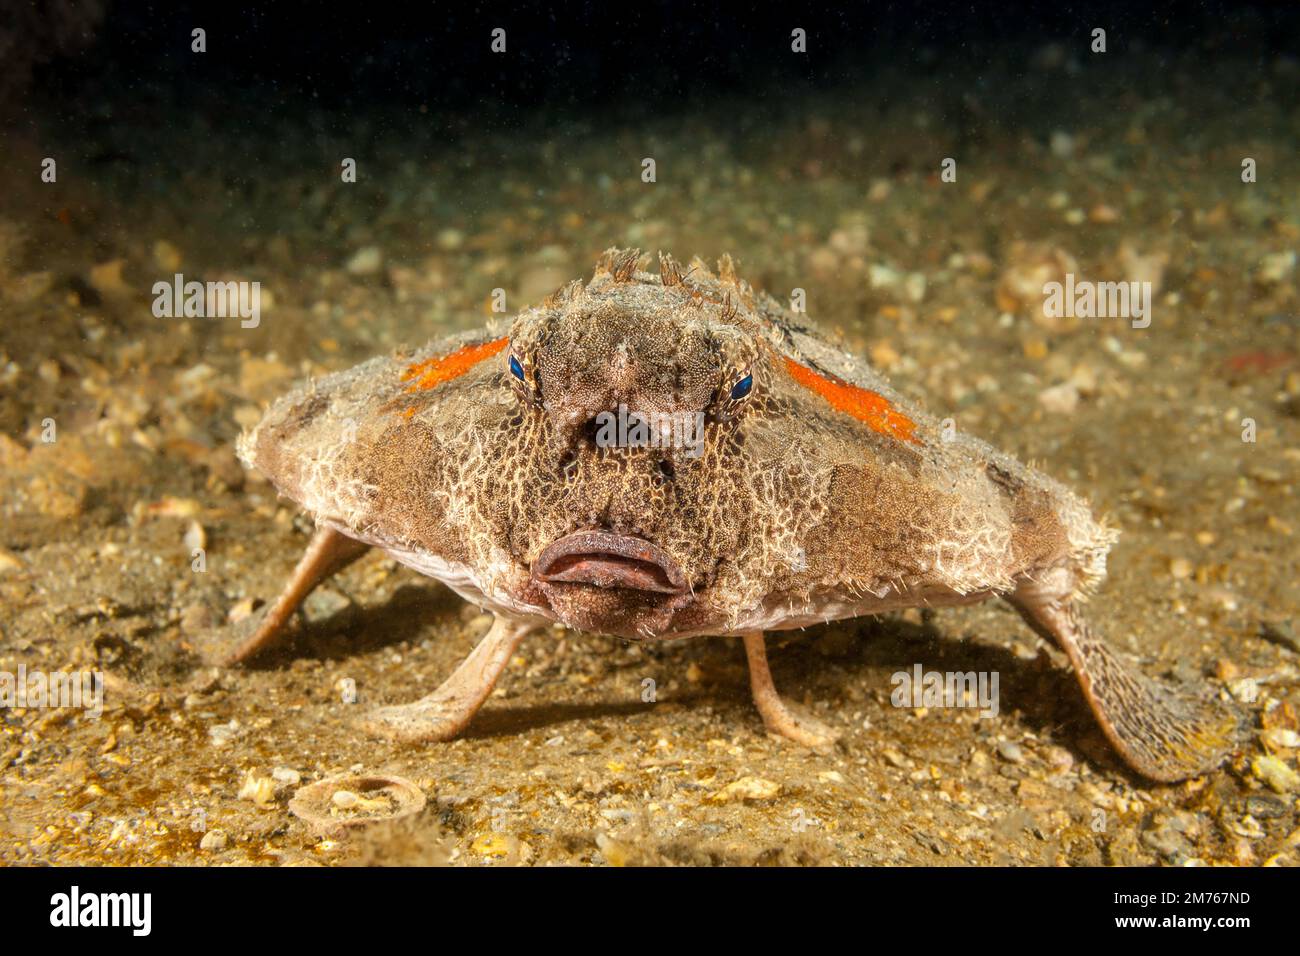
(449, 239)
(1280, 632)
(1060, 399)
(1168, 840)
(1061, 144)
(747, 788)
(894, 758)
(325, 602)
(286, 775)
(1281, 738)
(1266, 807)
(1276, 268)
(197, 618)
(345, 799)
(1244, 689)
(261, 790)
(492, 845)
(222, 734)
(166, 256)
(1275, 774)
(195, 536)
(1011, 751)
(615, 852)
(1059, 759)
(366, 262)
(106, 278)
(242, 609)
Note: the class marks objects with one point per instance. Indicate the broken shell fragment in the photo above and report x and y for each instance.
(332, 806)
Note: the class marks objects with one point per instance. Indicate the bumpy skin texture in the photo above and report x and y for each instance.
(793, 507)
(820, 494)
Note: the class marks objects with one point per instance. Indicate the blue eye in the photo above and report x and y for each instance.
(516, 369)
(741, 388)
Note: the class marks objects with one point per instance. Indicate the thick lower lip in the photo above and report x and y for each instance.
(609, 560)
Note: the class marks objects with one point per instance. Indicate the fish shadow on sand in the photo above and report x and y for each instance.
(359, 629)
(1038, 693)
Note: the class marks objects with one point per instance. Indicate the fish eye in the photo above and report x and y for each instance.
(516, 369)
(742, 388)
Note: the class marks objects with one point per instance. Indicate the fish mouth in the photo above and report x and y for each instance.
(608, 560)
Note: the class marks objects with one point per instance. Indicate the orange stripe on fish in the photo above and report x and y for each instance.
(875, 411)
(443, 368)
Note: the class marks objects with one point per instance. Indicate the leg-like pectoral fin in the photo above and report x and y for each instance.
(328, 553)
(778, 716)
(449, 709)
(1160, 733)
